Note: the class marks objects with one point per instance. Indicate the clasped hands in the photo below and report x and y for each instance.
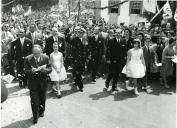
(42, 69)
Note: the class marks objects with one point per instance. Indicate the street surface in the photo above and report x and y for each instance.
(93, 108)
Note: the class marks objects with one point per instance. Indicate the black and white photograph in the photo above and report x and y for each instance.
(88, 63)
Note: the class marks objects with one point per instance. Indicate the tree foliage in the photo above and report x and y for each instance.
(36, 4)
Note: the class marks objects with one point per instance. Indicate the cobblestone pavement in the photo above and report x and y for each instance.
(93, 108)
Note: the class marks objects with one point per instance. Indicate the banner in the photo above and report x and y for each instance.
(167, 11)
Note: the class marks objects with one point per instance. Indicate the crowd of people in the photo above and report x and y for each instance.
(37, 53)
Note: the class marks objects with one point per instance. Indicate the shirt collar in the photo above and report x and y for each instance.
(22, 38)
(37, 58)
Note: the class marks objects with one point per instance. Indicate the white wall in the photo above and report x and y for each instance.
(124, 13)
(134, 19)
(104, 12)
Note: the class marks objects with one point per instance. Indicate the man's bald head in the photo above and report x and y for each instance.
(37, 50)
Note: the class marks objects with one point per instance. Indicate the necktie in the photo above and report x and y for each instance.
(148, 50)
(56, 39)
(22, 41)
(37, 61)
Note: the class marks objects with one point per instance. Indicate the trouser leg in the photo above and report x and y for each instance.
(34, 103)
(110, 76)
(115, 79)
(78, 81)
(42, 100)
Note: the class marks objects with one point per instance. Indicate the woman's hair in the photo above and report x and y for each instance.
(142, 34)
(136, 41)
(171, 40)
(130, 33)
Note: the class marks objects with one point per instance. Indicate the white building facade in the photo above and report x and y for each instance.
(129, 12)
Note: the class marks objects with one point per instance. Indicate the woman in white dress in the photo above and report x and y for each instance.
(135, 67)
(58, 70)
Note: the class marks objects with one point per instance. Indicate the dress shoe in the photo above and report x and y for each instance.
(107, 86)
(41, 114)
(59, 96)
(81, 90)
(35, 120)
(93, 80)
(167, 86)
(115, 89)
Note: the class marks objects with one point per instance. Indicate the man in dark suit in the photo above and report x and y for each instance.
(20, 48)
(68, 57)
(78, 56)
(37, 67)
(148, 54)
(96, 51)
(114, 58)
(48, 49)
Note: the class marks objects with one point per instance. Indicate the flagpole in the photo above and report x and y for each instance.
(157, 14)
(78, 18)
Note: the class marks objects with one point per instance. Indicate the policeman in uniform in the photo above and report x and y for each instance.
(78, 55)
(20, 48)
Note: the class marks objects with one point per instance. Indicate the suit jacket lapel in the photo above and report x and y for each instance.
(25, 43)
(52, 39)
(19, 45)
(40, 61)
(33, 62)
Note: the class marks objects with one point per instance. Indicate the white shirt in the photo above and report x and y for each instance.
(55, 39)
(118, 40)
(37, 59)
(22, 40)
(33, 36)
(96, 37)
(81, 39)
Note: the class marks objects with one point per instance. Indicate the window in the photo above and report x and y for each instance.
(135, 7)
(113, 9)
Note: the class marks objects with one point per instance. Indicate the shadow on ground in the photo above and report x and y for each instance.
(21, 124)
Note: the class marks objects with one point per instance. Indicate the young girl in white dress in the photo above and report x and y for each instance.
(58, 70)
(135, 67)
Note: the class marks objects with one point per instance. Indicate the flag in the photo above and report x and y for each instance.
(167, 13)
(175, 15)
(150, 6)
(28, 12)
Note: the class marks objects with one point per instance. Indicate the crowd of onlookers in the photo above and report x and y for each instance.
(39, 48)
(40, 24)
